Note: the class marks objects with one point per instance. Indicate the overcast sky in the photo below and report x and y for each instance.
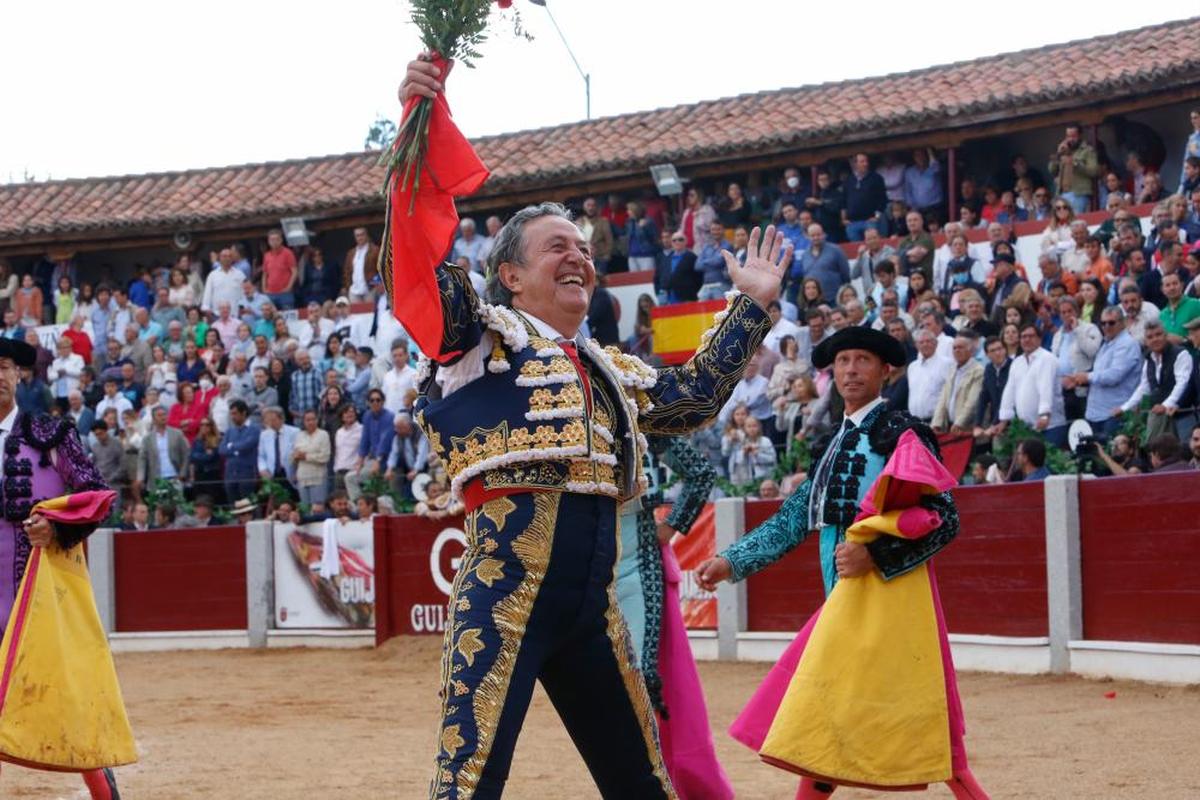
(128, 86)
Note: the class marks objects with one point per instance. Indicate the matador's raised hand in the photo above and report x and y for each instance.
(766, 262)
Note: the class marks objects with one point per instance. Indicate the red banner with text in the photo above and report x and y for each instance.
(415, 562)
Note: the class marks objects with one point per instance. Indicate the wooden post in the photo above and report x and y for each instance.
(951, 184)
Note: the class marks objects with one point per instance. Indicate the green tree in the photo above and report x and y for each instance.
(380, 134)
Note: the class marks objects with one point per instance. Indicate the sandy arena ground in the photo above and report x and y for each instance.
(360, 724)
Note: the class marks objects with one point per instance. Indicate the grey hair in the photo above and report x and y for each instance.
(1117, 312)
(1153, 325)
(510, 248)
(921, 334)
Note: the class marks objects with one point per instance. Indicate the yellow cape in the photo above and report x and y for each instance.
(60, 703)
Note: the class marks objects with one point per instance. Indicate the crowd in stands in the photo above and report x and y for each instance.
(202, 394)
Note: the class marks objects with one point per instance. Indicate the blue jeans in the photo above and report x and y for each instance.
(855, 231)
(283, 300)
(1079, 202)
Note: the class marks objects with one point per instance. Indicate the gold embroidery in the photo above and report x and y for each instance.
(469, 644)
(497, 511)
(546, 399)
(532, 547)
(557, 365)
(489, 571)
(463, 604)
(451, 741)
(460, 688)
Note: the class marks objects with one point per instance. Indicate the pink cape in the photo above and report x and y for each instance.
(687, 741)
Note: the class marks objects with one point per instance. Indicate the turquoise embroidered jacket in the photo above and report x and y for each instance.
(789, 526)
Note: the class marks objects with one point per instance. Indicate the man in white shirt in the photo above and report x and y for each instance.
(751, 391)
(224, 284)
(275, 445)
(1137, 311)
(398, 380)
(360, 266)
(1032, 394)
(488, 242)
(926, 375)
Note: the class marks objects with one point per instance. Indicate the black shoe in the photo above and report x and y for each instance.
(112, 784)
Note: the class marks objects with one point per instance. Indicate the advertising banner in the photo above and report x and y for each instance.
(417, 559)
(324, 575)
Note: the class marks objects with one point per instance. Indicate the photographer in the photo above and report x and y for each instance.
(1074, 165)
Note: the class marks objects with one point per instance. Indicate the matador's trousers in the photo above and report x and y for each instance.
(534, 600)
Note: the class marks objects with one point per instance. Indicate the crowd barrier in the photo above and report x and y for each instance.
(1090, 576)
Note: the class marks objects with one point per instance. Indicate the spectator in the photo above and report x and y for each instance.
(1074, 166)
(926, 376)
(27, 303)
(1029, 461)
(261, 396)
(810, 296)
(1032, 394)
(139, 519)
(734, 211)
(915, 249)
(824, 262)
(1057, 236)
(781, 326)
(251, 305)
(873, 253)
(363, 379)
(995, 378)
(751, 391)
(180, 293)
(865, 198)
(224, 283)
(360, 266)
(753, 458)
(109, 457)
(113, 399)
(322, 282)
(1074, 345)
(710, 264)
(239, 448)
(306, 386)
(367, 506)
(225, 325)
(279, 272)
(681, 279)
(1164, 379)
(1166, 454)
(973, 316)
(1178, 310)
(1005, 282)
(696, 220)
(186, 414)
(1113, 376)
(1194, 448)
(33, 395)
(1152, 189)
(794, 232)
(468, 245)
(311, 454)
(923, 184)
(275, 444)
(375, 444)
(642, 239)
(205, 459)
(218, 405)
(398, 380)
(64, 372)
(79, 413)
(163, 456)
(825, 206)
(598, 233)
(408, 455)
(346, 441)
(1137, 312)
(958, 402)
(602, 314)
(283, 344)
(492, 225)
(1074, 257)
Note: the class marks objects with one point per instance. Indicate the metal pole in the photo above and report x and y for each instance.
(587, 79)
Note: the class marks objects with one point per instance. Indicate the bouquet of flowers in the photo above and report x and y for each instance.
(452, 30)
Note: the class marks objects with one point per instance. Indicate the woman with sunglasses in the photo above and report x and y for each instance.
(1058, 233)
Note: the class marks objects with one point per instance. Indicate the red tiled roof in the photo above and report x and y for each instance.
(950, 96)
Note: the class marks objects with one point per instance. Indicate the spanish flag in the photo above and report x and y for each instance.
(60, 703)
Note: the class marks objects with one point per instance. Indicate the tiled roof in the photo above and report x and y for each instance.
(956, 95)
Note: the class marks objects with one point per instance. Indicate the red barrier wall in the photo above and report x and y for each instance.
(783, 597)
(408, 599)
(992, 577)
(1140, 542)
(180, 580)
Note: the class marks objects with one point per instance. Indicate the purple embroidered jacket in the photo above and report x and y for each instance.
(43, 458)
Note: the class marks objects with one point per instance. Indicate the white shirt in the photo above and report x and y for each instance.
(6, 427)
(925, 379)
(470, 366)
(222, 286)
(165, 468)
(1137, 325)
(63, 374)
(817, 500)
(395, 385)
(1183, 372)
(1032, 390)
(784, 327)
(118, 401)
(358, 280)
(345, 446)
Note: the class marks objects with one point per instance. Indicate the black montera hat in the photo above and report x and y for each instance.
(859, 338)
(20, 352)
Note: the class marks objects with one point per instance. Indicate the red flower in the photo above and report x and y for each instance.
(504, 3)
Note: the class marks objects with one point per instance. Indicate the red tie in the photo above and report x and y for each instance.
(568, 347)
